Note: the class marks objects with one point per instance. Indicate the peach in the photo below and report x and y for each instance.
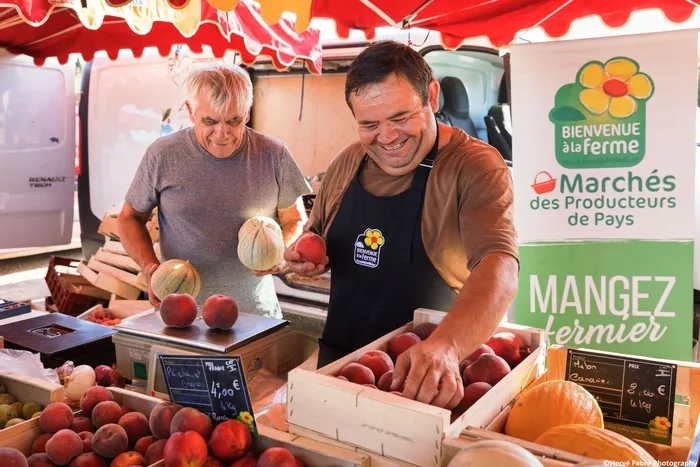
(93, 396)
(86, 437)
(277, 457)
(189, 419)
(401, 343)
(39, 443)
(311, 248)
(300, 463)
(144, 443)
(186, 449)
(63, 447)
(377, 361)
(126, 459)
(11, 457)
(424, 330)
(230, 440)
(212, 462)
(81, 424)
(89, 459)
(488, 369)
(136, 426)
(155, 451)
(220, 312)
(473, 393)
(507, 346)
(248, 460)
(357, 373)
(161, 417)
(178, 310)
(384, 382)
(110, 441)
(125, 410)
(105, 413)
(482, 349)
(40, 459)
(56, 417)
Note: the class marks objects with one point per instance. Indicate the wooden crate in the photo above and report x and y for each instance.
(28, 389)
(685, 419)
(390, 427)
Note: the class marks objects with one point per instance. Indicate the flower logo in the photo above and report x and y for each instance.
(246, 418)
(661, 423)
(373, 239)
(615, 87)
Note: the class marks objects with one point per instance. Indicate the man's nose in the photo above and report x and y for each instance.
(221, 129)
(388, 134)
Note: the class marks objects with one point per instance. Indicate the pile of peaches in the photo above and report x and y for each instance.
(480, 371)
(110, 435)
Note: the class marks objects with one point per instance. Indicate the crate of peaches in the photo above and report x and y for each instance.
(349, 402)
(120, 428)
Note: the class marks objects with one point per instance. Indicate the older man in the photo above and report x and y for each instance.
(415, 214)
(206, 181)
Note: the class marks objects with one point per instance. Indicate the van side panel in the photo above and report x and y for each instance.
(37, 153)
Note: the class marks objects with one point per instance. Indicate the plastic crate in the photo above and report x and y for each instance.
(64, 299)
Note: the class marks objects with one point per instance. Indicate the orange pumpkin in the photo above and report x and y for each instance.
(551, 404)
(596, 443)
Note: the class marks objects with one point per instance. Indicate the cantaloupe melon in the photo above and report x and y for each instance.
(175, 276)
(260, 244)
(494, 453)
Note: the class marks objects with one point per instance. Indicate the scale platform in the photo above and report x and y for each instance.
(248, 328)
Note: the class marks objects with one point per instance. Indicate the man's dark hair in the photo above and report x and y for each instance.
(382, 59)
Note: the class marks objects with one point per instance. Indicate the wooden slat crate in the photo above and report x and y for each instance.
(28, 389)
(685, 420)
(390, 427)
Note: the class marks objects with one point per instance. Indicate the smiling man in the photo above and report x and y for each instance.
(416, 214)
(206, 181)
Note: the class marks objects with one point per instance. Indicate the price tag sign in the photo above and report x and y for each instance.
(213, 385)
(635, 395)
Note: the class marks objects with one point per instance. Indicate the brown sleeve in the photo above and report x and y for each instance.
(486, 216)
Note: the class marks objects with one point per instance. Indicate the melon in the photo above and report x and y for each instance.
(260, 244)
(175, 276)
(596, 443)
(494, 453)
(551, 404)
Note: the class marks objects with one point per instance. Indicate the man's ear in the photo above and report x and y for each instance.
(434, 96)
(190, 111)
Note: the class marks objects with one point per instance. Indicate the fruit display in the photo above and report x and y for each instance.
(13, 411)
(311, 248)
(565, 416)
(480, 371)
(178, 310)
(175, 277)
(260, 243)
(494, 453)
(103, 317)
(220, 312)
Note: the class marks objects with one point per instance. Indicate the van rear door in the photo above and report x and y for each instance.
(37, 153)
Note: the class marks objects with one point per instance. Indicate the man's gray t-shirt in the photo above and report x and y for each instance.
(203, 201)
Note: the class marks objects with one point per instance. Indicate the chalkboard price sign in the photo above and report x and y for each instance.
(635, 395)
(214, 385)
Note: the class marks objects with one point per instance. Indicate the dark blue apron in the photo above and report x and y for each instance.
(380, 272)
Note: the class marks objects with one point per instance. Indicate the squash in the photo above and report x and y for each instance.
(260, 244)
(494, 453)
(551, 404)
(175, 276)
(596, 443)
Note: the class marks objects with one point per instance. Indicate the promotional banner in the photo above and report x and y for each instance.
(604, 161)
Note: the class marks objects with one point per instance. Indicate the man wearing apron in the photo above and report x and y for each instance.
(404, 213)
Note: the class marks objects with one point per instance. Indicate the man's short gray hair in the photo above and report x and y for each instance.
(226, 85)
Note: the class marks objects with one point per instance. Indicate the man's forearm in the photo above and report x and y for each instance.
(137, 242)
(291, 231)
(481, 304)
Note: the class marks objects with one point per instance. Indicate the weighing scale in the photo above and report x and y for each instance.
(136, 336)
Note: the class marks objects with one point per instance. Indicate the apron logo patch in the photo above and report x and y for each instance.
(367, 248)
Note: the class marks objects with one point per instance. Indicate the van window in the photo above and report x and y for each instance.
(480, 74)
(31, 108)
